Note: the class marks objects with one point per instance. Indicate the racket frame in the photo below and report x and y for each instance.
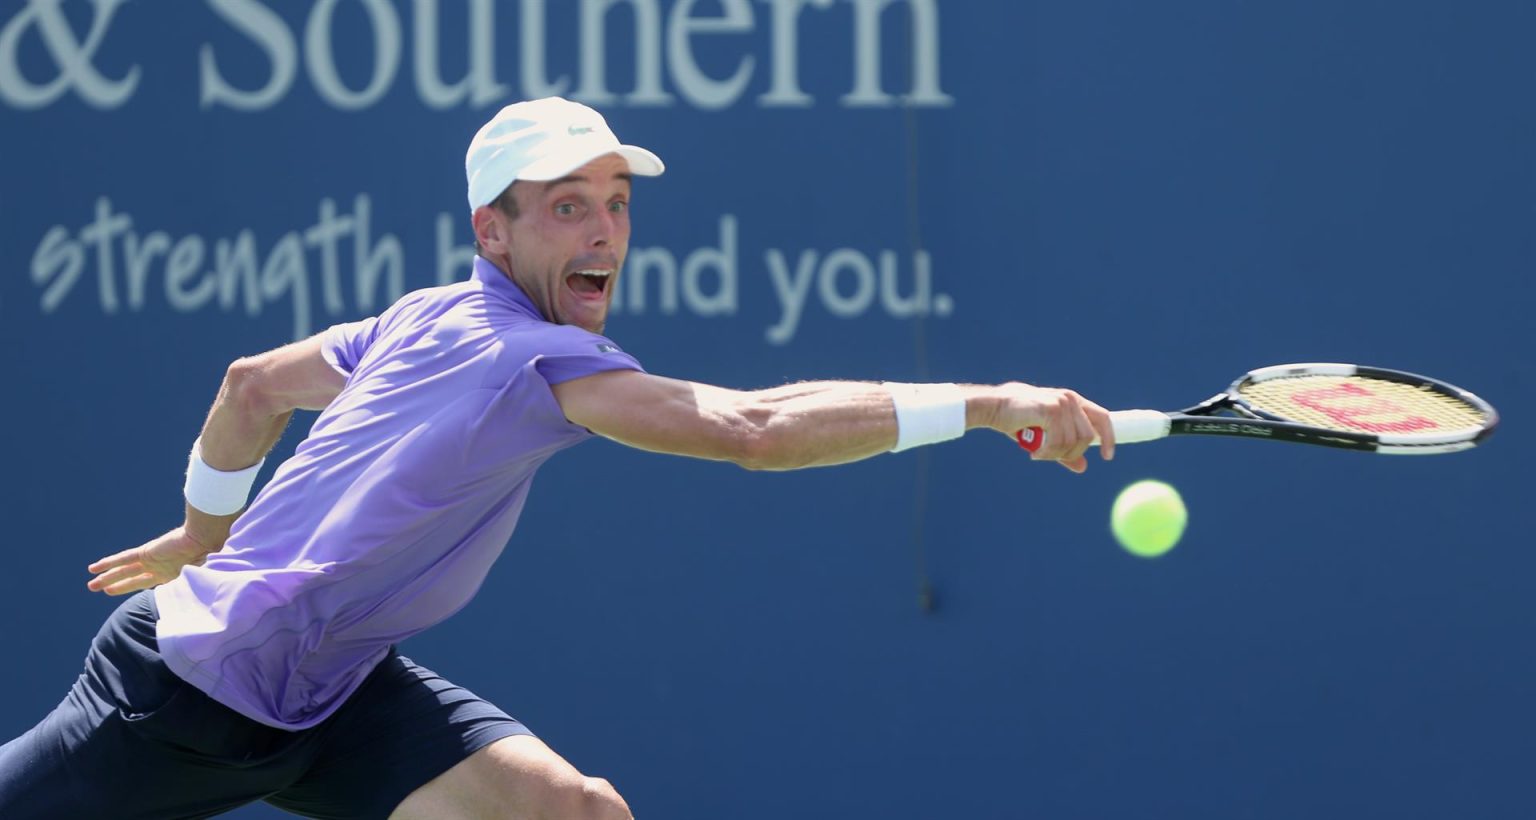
(1384, 443)
(1228, 414)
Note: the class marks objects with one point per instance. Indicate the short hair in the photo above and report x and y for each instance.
(504, 202)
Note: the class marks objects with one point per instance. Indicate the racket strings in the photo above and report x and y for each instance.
(1362, 404)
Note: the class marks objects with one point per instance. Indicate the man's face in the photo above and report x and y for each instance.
(569, 239)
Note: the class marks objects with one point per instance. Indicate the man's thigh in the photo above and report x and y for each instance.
(131, 740)
(404, 727)
(517, 777)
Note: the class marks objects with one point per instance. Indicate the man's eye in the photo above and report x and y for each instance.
(618, 207)
(565, 209)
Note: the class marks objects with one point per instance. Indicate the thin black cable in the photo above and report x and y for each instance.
(925, 592)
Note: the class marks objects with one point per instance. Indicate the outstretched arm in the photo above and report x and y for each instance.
(809, 424)
(254, 404)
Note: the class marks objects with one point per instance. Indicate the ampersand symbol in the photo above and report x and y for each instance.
(71, 56)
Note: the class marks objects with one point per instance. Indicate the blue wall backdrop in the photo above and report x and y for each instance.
(1137, 200)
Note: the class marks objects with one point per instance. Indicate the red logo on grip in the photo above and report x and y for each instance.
(1340, 404)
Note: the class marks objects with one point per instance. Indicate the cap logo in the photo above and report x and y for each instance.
(578, 130)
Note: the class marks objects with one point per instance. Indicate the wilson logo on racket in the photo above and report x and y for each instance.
(1325, 400)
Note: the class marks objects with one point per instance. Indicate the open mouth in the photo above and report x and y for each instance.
(589, 284)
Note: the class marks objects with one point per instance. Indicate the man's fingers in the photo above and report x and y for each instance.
(1058, 431)
(1082, 437)
(1073, 435)
(1069, 425)
(114, 560)
(134, 584)
(1083, 429)
(1105, 430)
(115, 575)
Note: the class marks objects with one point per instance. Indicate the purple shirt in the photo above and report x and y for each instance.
(390, 513)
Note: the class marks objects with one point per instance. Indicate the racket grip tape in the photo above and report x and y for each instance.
(1131, 426)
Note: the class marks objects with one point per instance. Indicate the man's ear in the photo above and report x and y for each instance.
(490, 229)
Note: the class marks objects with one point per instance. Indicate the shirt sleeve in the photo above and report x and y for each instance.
(343, 345)
(571, 353)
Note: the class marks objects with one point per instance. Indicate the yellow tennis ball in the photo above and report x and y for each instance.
(1148, 518)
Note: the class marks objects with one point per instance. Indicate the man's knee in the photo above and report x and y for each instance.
(584, 798)
(600, 801)
(517, 776)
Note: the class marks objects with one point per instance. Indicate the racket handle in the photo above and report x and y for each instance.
(1131, 426)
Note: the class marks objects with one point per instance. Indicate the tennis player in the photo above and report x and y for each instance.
(256, 659)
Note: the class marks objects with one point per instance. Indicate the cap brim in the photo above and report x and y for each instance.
(641, 163)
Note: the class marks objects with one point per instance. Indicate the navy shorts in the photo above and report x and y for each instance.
(133, 740)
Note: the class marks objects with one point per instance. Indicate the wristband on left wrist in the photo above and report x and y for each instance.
(217, 492)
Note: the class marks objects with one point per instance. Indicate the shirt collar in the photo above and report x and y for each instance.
(495, 279)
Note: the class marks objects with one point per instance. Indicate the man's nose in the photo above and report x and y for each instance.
(604, 229)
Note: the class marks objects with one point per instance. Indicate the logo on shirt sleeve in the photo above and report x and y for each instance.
(607, 349)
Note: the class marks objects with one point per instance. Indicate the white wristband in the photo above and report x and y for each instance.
(926, 413)
(214, 491)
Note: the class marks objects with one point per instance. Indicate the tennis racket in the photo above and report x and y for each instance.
(1333, 405)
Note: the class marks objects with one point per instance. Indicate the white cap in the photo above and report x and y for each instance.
(541, 140)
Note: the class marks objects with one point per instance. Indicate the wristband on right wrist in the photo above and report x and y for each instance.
(926, 413)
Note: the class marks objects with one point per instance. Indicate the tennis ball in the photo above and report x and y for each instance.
(1148, 518)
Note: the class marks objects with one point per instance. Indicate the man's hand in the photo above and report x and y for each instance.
(1069, 421)
(146, 566)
